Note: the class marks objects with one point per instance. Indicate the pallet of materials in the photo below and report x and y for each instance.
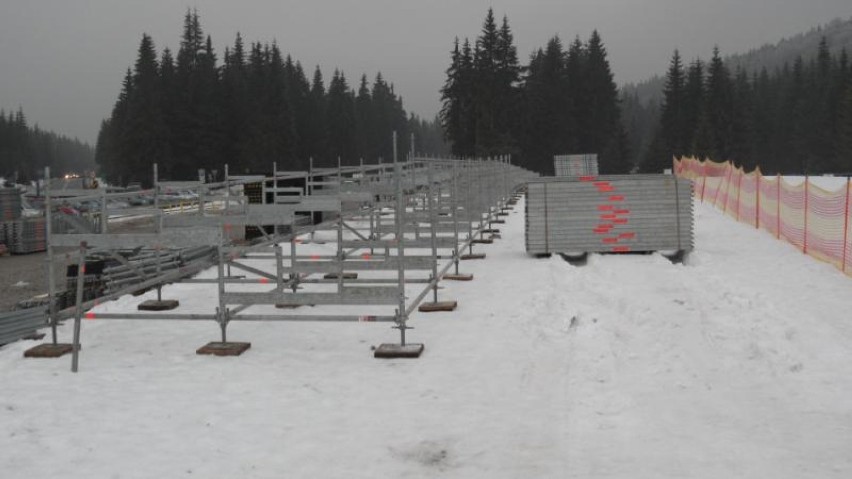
(609, 214)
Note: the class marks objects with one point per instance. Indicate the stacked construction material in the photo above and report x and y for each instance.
(143, 265)
(616, 214)
(10, 204)
(576, 165)
(27, 235)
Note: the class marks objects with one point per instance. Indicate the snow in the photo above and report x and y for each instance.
(737, 363)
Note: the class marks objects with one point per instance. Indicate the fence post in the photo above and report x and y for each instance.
(757, 202)
(778, 207)
(846, 225)
(739, 192)
(805, 242)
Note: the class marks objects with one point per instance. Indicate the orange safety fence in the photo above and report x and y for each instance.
(813, 219)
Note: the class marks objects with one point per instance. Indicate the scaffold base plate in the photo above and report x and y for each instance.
(48, 350)
(388, 351)
(161, 305)
(438, 306)
(466, 257)
(223, 349)
(458, 277)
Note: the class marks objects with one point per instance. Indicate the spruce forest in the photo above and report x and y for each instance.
(188, 112)
(563, 101)
(25, 150)
(794, 120)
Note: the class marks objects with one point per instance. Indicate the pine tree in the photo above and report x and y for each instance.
(605, 133)
(672, 137)
(340, 112)
(719, 106)
(143, 141)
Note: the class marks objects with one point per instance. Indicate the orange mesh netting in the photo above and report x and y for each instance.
(813, 219)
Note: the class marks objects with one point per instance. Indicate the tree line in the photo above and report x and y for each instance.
(564, 101)
(796, 119)
(25, 150)
(258, 107)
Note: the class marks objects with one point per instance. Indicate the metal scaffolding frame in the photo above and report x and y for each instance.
(378, 213)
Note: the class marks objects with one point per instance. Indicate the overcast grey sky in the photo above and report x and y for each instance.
(62, 61)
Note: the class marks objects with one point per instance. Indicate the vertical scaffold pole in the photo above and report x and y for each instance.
(341, 254)
(51, 273)
(433, 219)
(78, 307)
(454, 205)
(401, 317)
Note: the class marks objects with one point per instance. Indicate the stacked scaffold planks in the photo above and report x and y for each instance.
(613, 214)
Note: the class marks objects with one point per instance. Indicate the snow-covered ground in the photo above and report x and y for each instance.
(737, 363)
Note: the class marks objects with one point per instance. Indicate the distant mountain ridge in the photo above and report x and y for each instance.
(837, 32)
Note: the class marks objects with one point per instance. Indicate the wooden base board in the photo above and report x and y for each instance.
(440, 306)
(389, 351)
(48, 350)
(154, 305)
(223, 349)
(483, 241)
(287, 306)
(466, 257)
(491, 231)
(498, 222)
(345, 276)
(458, 277)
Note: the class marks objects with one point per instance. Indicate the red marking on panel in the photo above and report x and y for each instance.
(627, 235)
(605, 207)
(83, 270)
(297, 241)
(621, 249)
(616, 198)
(263, 280)
(601, 231)
(587, 178)
(610, 240)
(608, 217)
(620, 221)
(366, 256)
(315, 257)
(90, 315)
(606, 189)
(602, 183)
(622, 212)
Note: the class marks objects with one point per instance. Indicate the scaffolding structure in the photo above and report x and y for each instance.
(391, 225)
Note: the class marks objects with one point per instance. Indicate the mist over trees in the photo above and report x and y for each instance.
(794, 120)
(25, 150)
(187, 111)
(563, 101)
(641, 102)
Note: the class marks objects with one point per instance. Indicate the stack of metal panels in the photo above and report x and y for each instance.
(10, 204)
(27, 235)
(15, 325)
(576, 165)
(617, 214)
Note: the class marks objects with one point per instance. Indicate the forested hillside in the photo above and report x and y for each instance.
(641, 103)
